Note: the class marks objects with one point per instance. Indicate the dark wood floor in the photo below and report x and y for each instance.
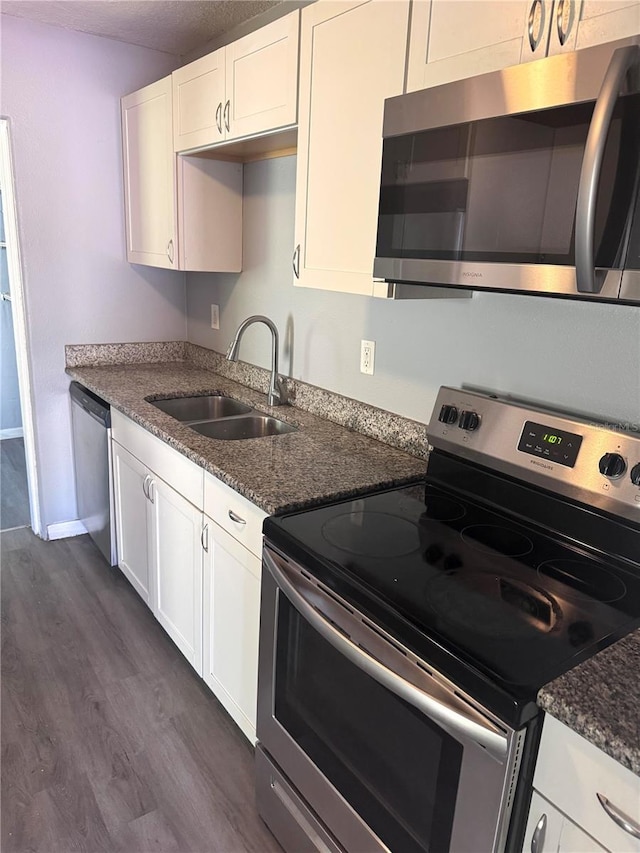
(110, 742)
(14, 495)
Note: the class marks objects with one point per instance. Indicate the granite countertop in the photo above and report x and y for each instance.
(600, 700)
(318, 462)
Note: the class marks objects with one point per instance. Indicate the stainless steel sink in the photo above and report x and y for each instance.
(249, 426)
(207, 407)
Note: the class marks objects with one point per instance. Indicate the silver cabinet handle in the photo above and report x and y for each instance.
(204, 538)
(145, 484)
(562, 34)
(452, 717)
(537, 839)
(296, 261)
(150, 489)
(170, 250)
(534, 40)
(219, 117)
(621, 62)
(236, 518)
(227, 112)
(620, 818)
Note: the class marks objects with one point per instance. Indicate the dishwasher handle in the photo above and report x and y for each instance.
(91, 403)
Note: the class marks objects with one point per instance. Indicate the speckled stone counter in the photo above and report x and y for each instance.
(319, 461)
(600, 700)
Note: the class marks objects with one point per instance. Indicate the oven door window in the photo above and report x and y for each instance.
(397, 769)
(504, 190)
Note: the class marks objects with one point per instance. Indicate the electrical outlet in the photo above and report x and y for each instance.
(367, 356)
(215, 317)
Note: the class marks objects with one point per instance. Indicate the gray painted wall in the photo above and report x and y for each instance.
(576, 355)
(61, 92)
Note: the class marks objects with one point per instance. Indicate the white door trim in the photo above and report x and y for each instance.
(20, 331)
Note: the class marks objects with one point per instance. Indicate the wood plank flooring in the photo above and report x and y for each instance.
(14, 494)
(110, 741)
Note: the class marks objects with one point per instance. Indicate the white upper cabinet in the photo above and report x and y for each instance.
(248, 87)
(453, 40)
(352, 57)
(149, 176)
(557, 26)
(182, 213)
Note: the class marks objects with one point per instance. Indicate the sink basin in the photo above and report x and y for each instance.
(235, 429)
(201, 408)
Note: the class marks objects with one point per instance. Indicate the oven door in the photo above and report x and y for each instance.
(383, 753)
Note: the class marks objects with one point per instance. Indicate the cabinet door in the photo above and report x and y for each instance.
(130, 478)
(575, 840)
(198, 102)
(352, 57)
(149, 176)
(453, 40)
(607, 20)
(177, 567)
(262, 79)
(231, 620)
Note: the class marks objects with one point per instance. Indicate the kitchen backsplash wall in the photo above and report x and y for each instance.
(576, 355)
(61, 92)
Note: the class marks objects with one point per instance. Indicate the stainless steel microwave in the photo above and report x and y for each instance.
(525, 180)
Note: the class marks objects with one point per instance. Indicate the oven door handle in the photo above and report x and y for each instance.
(453, 720)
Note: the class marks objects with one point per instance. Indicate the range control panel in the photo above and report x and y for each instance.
(588, 460)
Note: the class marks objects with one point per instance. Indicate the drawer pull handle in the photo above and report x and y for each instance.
(204, 538)
(623, 820)
(236, 518)
(537, 840)
(145, 484)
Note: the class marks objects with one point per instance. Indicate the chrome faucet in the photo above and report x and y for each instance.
(277, 395)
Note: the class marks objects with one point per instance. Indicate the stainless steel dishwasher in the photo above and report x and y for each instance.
(91, 424)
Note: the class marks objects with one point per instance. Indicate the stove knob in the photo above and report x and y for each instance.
(612, 465)
(469, 421)
(635, 475)
(448, 414)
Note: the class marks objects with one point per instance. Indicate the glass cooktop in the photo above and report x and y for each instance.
(513, 601)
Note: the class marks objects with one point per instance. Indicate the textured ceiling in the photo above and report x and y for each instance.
(173, 26)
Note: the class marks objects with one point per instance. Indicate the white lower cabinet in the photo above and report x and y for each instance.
(130, 478)
(231, 619)
(571, 780)
(191, 546)
(176, 560)
(233, 561)
(158, 529)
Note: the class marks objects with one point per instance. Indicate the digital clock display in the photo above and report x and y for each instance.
(553, 444)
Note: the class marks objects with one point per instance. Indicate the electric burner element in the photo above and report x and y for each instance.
(493, 605)
(441, 508)
(583, 580)
(492, 537)
(372, 534)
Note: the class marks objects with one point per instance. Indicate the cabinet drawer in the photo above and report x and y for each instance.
(570, 772)
(175, 469)
(234, 513)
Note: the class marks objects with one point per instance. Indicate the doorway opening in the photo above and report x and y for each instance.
(19, 506)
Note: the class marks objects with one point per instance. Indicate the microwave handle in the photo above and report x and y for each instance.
(622, 59)
(453, 721)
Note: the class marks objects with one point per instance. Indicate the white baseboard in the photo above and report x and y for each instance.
(65, 529)
(12, 432)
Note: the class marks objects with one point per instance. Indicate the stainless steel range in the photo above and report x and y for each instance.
(405, 634)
